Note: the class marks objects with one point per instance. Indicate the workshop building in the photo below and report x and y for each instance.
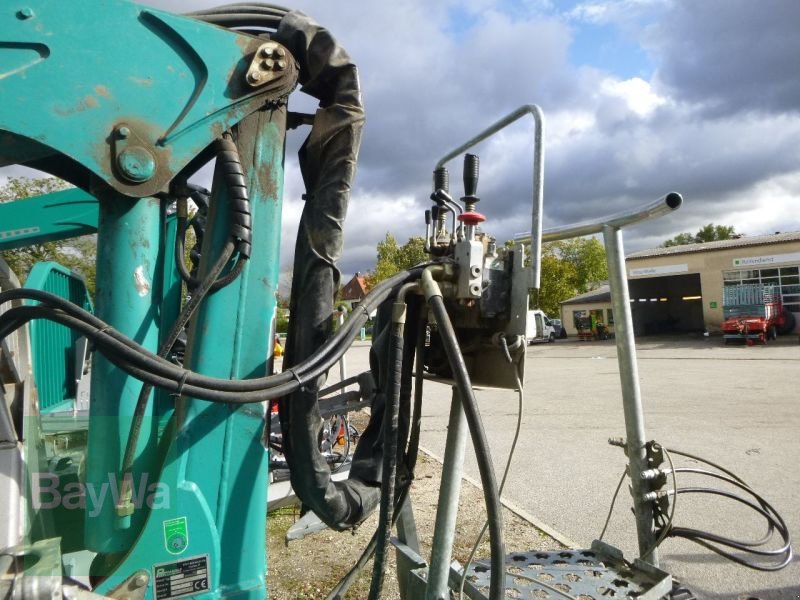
(679, 289)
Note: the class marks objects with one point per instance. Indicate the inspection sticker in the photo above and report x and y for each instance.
(185, 577)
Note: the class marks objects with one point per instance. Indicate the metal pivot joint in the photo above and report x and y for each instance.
(134, 162)
(270, 62)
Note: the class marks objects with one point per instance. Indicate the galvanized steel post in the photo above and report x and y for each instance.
(447, 508)
(631, 394)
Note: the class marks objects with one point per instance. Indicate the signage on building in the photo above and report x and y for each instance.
(664, 270)
(766, 260)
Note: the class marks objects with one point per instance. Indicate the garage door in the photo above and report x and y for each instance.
(672, 304)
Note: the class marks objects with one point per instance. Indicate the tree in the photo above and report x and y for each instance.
(393, 258)
(557, 283)
(77, 254)
(707, 233)
(570, 267)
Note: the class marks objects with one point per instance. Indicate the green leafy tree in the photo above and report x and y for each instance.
(557, 283)
(569, 268)
(78, 254)
(393, 258)
(587, 256)
(707, 233)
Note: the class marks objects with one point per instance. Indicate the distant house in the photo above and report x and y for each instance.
(353, 291)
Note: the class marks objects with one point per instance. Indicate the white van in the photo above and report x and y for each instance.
(539, 328)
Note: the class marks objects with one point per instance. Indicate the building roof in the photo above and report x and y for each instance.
(756, 240)
(355, 289)
(601, 294)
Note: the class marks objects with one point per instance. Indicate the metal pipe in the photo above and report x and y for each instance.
(631, 393)
(538, 175)
(447, 508)
(664, 205)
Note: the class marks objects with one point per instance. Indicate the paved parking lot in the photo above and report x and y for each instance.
(735, 405)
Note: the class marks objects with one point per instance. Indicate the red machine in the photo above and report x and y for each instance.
(753, 312)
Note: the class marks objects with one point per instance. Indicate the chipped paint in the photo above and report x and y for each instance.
(102, 90)
(141, 282)
(147, 81)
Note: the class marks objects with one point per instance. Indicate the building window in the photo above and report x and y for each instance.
(610, 316)
(787, 279)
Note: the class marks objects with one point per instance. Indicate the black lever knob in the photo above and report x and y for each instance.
(471, 172)
(441, 179)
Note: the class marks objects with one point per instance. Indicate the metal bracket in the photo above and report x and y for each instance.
(469, 258)
(133, 588)
(270, 62)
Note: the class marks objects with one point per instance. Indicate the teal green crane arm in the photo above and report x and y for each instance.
(45, 218)
(116, 95)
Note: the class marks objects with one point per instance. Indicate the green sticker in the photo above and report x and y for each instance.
(712, 304)
(176, 535)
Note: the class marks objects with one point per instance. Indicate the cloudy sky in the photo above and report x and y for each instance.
(641, 97)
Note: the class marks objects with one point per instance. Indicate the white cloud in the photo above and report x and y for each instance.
(611, 142)
(637, 94)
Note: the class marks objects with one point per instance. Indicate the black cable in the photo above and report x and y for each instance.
(390, 433)
(419, 377)
(481, 445)
(147, 366)
(743, 486)
(230, 170)
(410, 459)
(743, 546)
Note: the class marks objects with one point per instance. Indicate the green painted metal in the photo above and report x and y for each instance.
(53, 346)
(128, 297)
(132, 81)
(54, 216)
(215, 471)
(170, 307)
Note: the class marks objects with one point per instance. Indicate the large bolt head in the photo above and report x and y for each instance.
(136, 164)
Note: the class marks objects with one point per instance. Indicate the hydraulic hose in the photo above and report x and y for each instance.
(390, 432)
(147, 366)
(479, 441)
(409, 459)
(229, 165)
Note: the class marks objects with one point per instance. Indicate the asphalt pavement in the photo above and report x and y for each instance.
(737, 406)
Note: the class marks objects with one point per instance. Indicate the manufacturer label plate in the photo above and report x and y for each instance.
(180, 578)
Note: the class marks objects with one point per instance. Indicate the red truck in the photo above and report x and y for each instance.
(752, 312)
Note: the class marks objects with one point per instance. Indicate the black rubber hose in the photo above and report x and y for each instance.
(125, 353)
(482, 453)
(410, 461)
(419, 377)
(771, 516)
(240, 227)
(743, 486)
(390, 445)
